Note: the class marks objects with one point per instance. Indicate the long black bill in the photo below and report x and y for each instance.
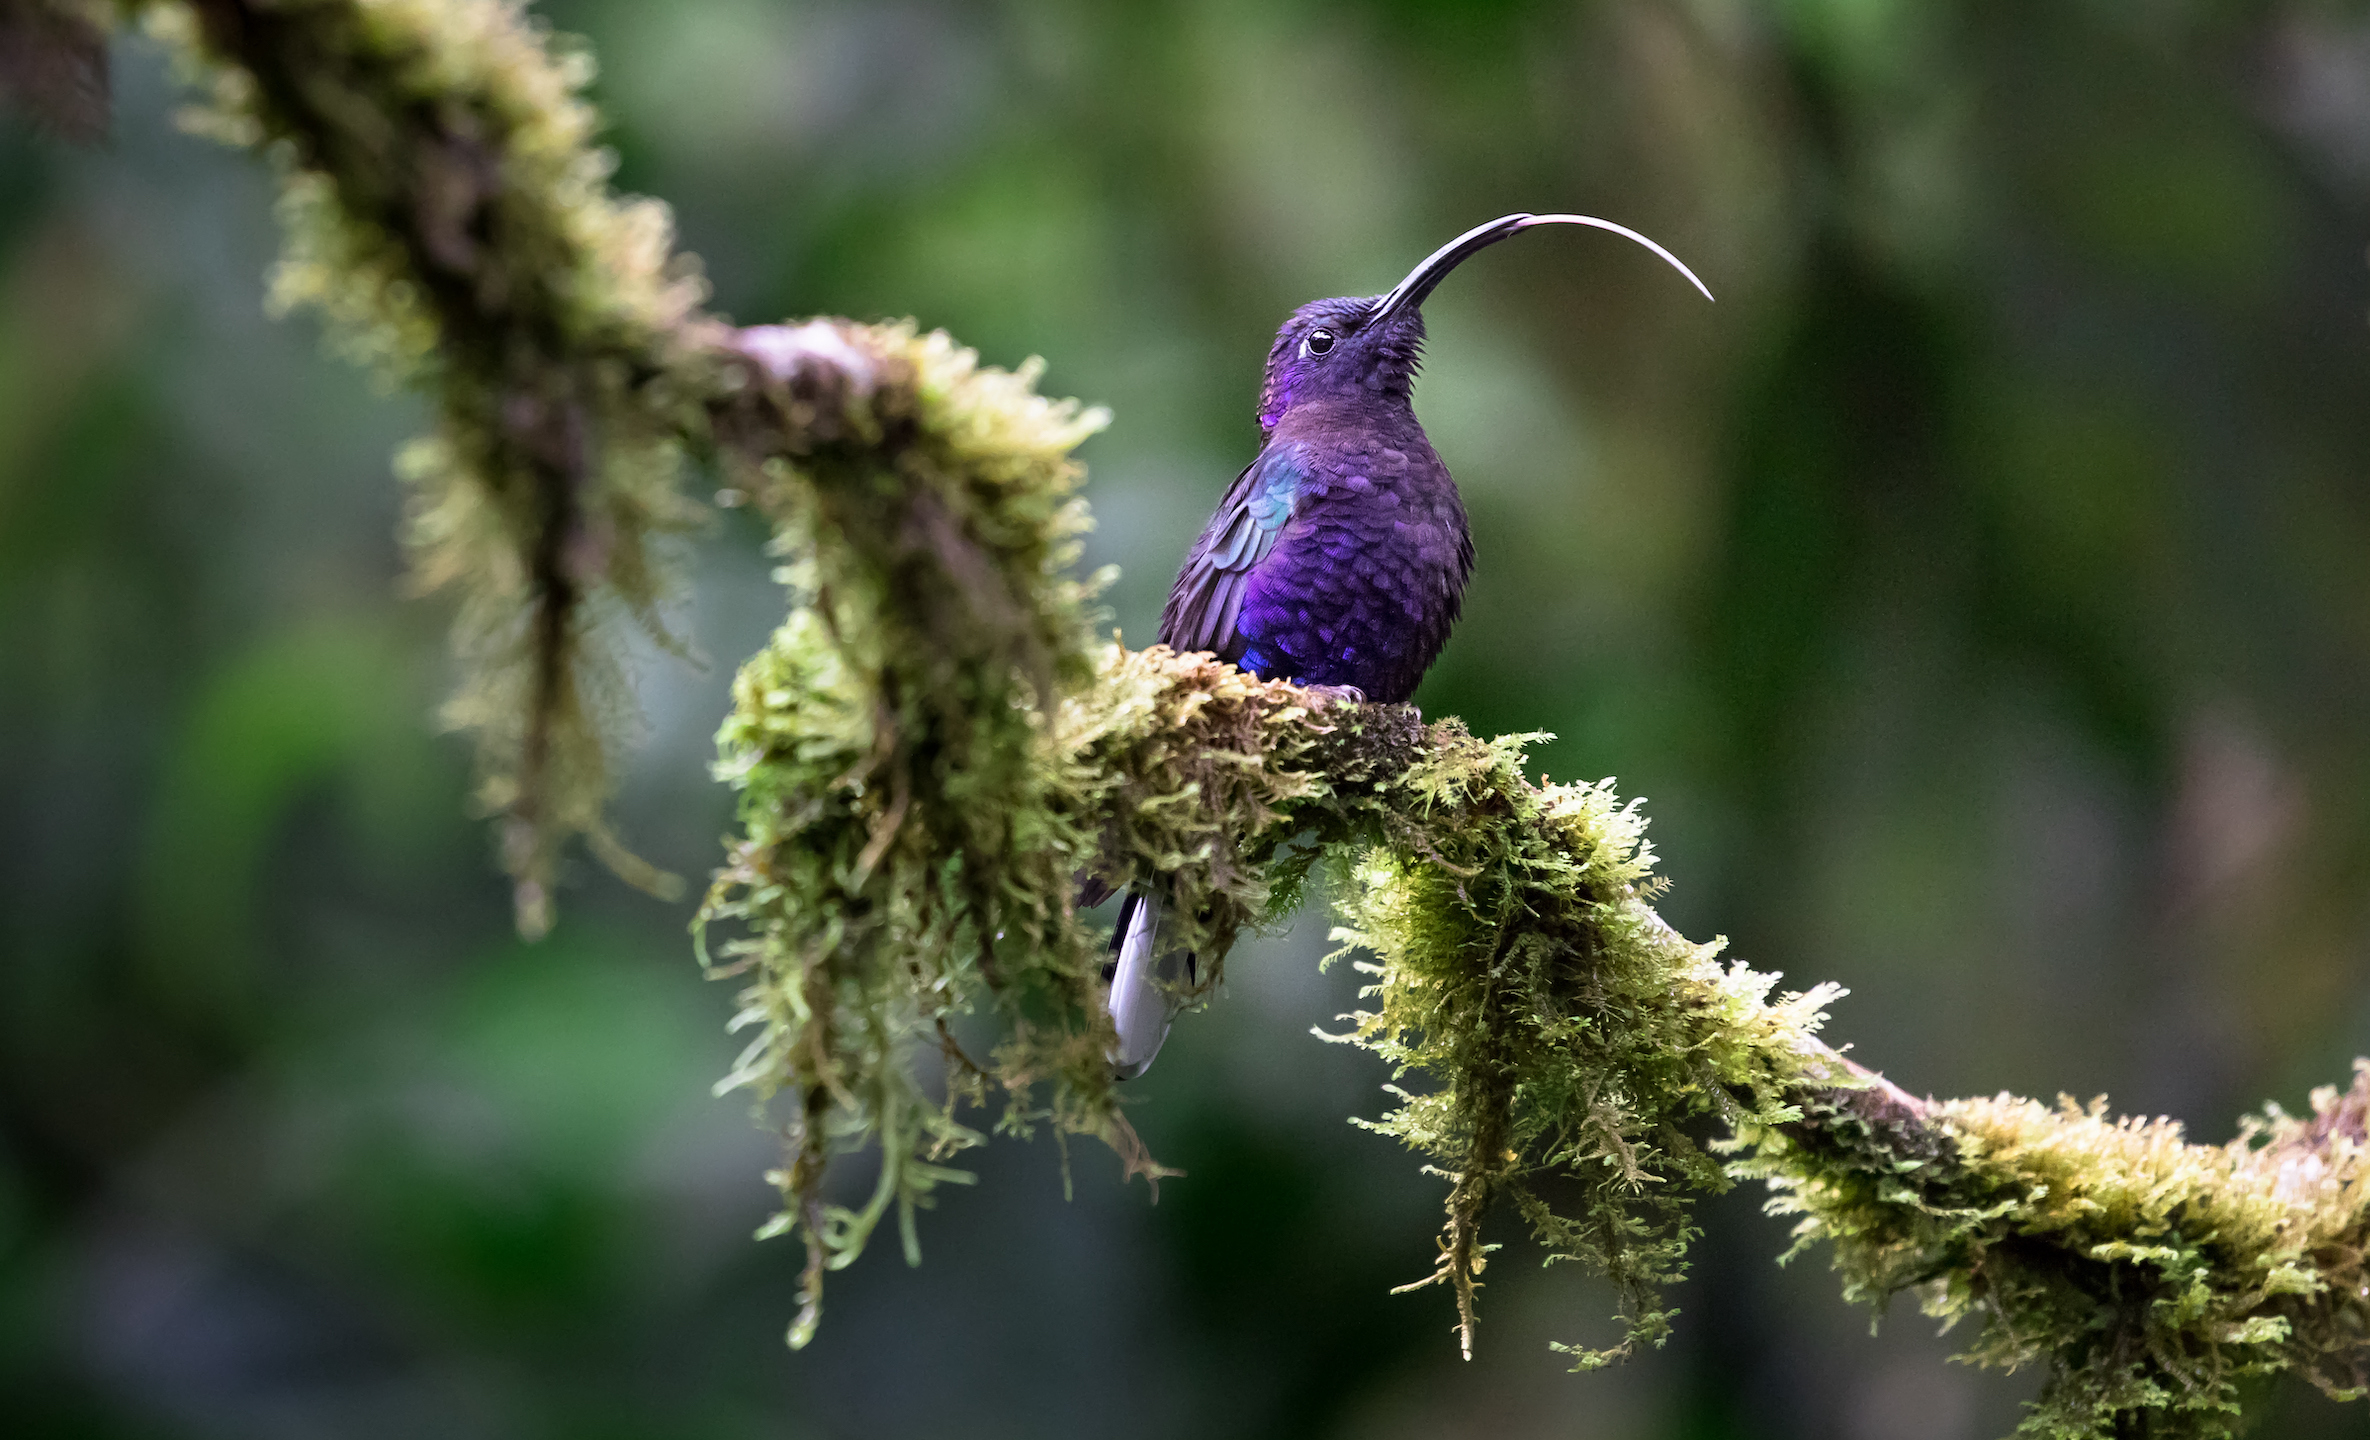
(1420, 280)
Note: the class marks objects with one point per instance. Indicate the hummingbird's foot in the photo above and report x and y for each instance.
(1337, 694)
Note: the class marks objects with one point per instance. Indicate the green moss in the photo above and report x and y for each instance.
(2149, 1274)
(1563, 1028)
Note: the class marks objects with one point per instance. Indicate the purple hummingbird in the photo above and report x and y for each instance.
(1338, 557)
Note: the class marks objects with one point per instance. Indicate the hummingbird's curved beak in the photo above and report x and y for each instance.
(1421, 280)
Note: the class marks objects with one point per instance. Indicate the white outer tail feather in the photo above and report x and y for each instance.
(1142, 1000)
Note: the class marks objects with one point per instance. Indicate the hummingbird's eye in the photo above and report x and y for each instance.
(1317, 343)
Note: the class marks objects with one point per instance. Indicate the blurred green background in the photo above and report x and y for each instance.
(1980, 592)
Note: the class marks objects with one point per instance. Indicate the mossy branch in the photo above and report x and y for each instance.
(1557, 1026)
(935, 744)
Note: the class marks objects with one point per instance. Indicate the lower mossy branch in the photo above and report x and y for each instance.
(1539, 1018)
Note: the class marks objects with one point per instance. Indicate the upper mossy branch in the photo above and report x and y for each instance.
(446, 208)
(935, 744)
(1557, 1026)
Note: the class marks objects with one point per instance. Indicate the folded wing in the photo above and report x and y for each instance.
(1208, 598)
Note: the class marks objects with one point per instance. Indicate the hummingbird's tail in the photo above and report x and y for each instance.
(1148, 984)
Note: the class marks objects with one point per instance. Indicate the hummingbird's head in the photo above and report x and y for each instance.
(1339, 349)
(1368, 347)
